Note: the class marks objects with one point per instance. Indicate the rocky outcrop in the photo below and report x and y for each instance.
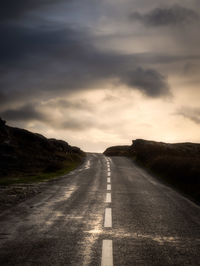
(145, 150)
(117, 151)
(24, 151)
(178, 164)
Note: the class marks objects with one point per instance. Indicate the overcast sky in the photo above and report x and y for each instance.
(98, 73)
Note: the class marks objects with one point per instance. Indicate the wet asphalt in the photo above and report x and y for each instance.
(64, 225)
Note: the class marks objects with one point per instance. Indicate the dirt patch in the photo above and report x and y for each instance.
(14, 194)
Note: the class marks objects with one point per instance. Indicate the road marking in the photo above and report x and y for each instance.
(108, 198)
(109, 187)
(87, 166)
(108, 217)
(107, 253)
(108, 173)
(108, 180)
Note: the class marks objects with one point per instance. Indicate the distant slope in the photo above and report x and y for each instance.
(178, 164)
(117, 151)
(23, 152)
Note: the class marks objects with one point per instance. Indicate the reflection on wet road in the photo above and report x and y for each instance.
(106, 212)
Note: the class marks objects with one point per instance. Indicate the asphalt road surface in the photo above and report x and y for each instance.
(107, 212)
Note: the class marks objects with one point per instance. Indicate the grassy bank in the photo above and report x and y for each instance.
(27, 157)
(40, 176)
(180, 173)
(176, 164)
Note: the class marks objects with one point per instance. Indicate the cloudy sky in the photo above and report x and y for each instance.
(100, 73)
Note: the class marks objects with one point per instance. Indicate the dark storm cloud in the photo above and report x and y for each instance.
(191, 113)
(24, 113)
(46, 60)
(2, 98)
(77, 125)
(18, 42)
(31, 112)
(174, 15)
(15, 9)
(64, 59)
(73, 105)
(149, 81)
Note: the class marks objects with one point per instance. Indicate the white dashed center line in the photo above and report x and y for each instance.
(107, 253)
(107, 246)
(108, 198)
(108, 186)
(108, 218)
(87, 166)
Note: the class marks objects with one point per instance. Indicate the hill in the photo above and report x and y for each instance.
(177, 164)
(24, 154)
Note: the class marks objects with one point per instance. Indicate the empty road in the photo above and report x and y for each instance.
(107, 212)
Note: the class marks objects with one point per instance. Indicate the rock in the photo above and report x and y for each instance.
(2, 122)
(26, 152)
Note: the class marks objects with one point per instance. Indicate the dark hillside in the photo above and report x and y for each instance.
(23, 152)
(178, 164)
(118, 151)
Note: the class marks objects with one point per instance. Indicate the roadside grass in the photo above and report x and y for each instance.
(27, 178)
(181, 173)
(177, 165)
